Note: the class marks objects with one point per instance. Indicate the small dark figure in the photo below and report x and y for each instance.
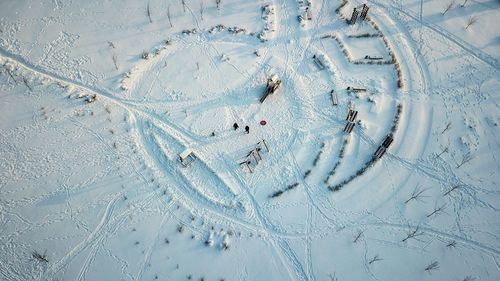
(213, 134)
(235, 126)
(247, 129)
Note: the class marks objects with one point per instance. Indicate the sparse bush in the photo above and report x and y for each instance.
(436, 211)
(416, 194)
(358, 236)
(225, 244)
(451, 244)
(432, 266)
(40, 257)
(412, 233)
(472, 20)
(374, 259)
(149, 14)
(448, 7)
(452, 189)
(307, 173)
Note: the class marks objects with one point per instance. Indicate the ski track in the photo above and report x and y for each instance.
(468, 48)
(431, 231)
(98, 232)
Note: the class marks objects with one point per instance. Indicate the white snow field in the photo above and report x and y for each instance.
(99, 98)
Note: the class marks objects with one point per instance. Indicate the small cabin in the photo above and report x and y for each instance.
(187, 157)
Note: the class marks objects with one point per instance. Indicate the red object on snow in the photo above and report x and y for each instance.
(263, 122)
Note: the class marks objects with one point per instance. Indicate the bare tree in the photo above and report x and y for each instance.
(40, 257)
(463, 4)
(358, 236)
(183, 2)
(149, 14)
(416, 194)
(466, 158)
(432, 266)
(201, 9)
(374, 259)
(449, 191)
(442, 152)
(448, 6)
(10, 74)
(333, 277)
(447, 127)
(413, 234)
(451, 244)
(436, 211)
(27, 84)
(169, 17)
(472, 20)
(115, 61)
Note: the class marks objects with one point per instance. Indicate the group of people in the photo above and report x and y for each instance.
(247, 128)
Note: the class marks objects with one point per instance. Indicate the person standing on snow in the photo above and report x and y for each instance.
(247, 129)
(235, 126)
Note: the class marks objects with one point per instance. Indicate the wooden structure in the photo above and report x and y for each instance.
(318, 62)
(364, 12)
(353, 89)
(383, 147)
(373, 58)
(187, 157)
(254, 155)
(335, 99)
(351, 120)
(354, 16)
(272, 86)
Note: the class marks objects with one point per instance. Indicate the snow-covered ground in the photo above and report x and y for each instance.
(99, 98)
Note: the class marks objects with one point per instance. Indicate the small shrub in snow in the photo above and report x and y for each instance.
(276, 194)
(448, 7)
(472, 20)
(432, 266)
(451, 244)
(210, 240)
(452, 189)
(180, 228)
(307, 173)
(416, 194)
(412, 233)
(40, 257)
(145, 55)
(436, 211)
(358, 236)
(374, 259)
(225, 243)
